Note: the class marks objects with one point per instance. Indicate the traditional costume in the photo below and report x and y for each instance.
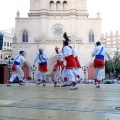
(99, 52)
(42, 67)
(70, 65)
(58, 68)
(19, 59)
(76, 70)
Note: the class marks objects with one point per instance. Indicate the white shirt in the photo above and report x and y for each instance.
(39, 58)
(75, 53)
(60, 56)
(118, 56)
(97, 50)
(67, 51)
(20, 59)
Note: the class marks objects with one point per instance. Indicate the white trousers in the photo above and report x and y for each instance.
(64, 74)
(70, 75)
(98, 73)
(41, 75)
(14, 73)
(76, 71)
(57, 73)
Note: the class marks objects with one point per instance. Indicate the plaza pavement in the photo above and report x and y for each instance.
(31, 102)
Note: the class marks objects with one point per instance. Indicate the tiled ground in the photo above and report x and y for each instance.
(31, 102)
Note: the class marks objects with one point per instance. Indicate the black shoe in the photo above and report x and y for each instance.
(56, 85)
(9, 85)
(44, 84)
(38, 83)
(21, 84)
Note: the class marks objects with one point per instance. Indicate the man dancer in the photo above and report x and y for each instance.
(19, 59)
(58, 67)
(99, 52)
(42, 66)
(70, 62)
(76, 70)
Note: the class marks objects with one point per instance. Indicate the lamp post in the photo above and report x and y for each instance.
(33, 69)
(9, 61)
(84, 68)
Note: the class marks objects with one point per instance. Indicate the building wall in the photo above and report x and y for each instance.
(113, 40)
(45, 28)
(7, 46)
(7, 40)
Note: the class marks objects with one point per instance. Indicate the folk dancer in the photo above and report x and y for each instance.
(70, 62)
(58, 67)
(19, 59)
(76, 70)
(42, 58)
(99, 52)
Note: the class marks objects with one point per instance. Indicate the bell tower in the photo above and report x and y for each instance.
(76, 8)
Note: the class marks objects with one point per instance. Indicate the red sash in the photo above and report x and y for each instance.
(70, 62)
(14, 67)
(99, 63)
(77, 62)
(59, 63)
(42, 68)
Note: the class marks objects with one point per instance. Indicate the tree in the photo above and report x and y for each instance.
(109, 67)
(117, 68)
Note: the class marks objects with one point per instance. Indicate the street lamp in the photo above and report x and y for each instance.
(33, 69)
(9, 61)
(84, 68)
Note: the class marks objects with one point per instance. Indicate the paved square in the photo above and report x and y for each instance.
(31, 102)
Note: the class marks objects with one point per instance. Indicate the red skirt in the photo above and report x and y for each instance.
(70, 62)
(13, 67)
(98, 63)
(42, 68)
(77, 62)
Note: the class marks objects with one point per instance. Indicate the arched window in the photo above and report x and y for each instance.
(25, 36)
(58, 5)
(51, 5)
(91, 36)
(64, 5)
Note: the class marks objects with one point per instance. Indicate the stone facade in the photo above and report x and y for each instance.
(47, 21)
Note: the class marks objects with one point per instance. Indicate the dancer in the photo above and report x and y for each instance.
(70, 61)
(99, 52)
(76, 70)
(19, 59)
(42, 58)
(58, 67)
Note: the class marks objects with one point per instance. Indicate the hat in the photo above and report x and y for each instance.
(41, 49)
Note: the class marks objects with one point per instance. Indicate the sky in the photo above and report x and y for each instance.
(109, 9)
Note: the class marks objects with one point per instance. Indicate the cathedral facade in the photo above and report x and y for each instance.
(43, 28)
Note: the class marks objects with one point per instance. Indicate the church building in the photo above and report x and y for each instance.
(43, 28)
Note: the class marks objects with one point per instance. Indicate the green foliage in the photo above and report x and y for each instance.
(116, 53)
(108, 67)
(117, 67)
